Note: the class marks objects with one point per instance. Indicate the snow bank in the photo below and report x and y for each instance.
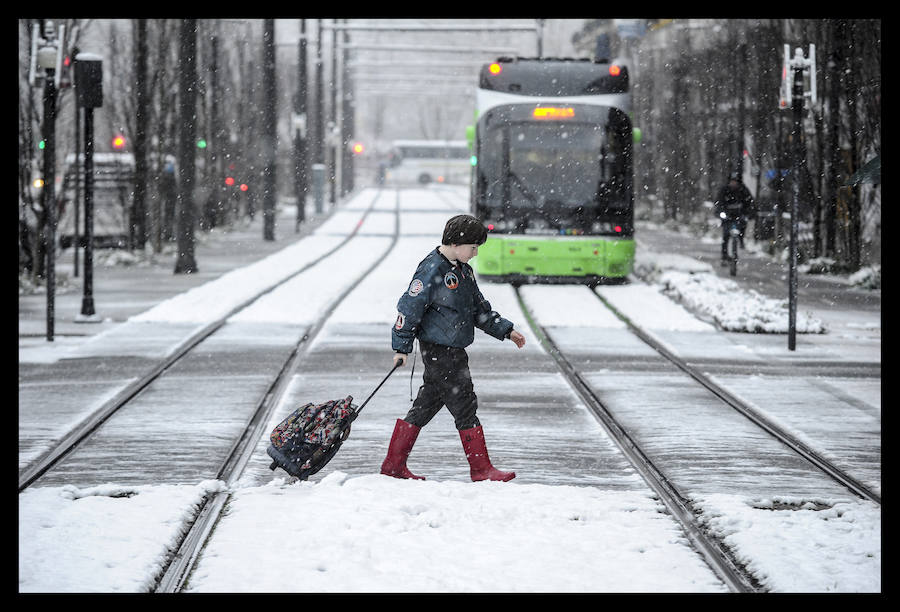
(379, 534)
(844, 536)
(721, 301)
(108, 538)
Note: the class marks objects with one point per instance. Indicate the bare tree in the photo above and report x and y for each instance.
(185, 262)
(708, 94)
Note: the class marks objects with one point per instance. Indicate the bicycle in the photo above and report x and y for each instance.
(734, 242)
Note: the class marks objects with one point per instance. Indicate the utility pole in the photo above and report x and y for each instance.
(187, 67)
(270, 124)
(333, 137)
(793, 94)
(318, 167)
(348, 120)
(299, 121)
(77, 188)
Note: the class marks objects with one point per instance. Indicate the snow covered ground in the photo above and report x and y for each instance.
(377, 534)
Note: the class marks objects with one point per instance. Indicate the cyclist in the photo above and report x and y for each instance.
(733, 202)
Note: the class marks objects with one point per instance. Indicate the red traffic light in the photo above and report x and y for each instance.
(229, 181)
(118, 142)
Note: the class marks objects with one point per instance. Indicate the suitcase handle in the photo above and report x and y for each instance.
(371, 395)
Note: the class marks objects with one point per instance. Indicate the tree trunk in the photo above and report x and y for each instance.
(854, 229)
(139, 212)
(185, 262)
(270, 123)
(835, 67)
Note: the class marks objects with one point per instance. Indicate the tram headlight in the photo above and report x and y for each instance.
(604, 227)
(501, 225)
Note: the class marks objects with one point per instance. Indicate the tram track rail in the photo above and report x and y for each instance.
(781, 434)
(719, 558)
(174, 577)
(83, 430)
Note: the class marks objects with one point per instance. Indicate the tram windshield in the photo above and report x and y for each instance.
(555, 165)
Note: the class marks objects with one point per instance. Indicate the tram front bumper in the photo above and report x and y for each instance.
(555, 257)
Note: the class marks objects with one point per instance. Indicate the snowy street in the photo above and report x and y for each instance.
(577, 517)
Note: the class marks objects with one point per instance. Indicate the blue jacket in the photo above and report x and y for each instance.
(443, 305)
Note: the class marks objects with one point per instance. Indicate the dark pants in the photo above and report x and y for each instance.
(726, 234)
(447, 382)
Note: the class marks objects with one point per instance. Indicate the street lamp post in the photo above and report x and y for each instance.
(46, 65)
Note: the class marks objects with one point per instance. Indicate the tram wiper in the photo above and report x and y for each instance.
(525, 192)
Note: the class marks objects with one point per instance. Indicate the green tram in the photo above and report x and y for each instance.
(553, 176)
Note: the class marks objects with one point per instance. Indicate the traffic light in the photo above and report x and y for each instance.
(358, 148)
(231, 182)
(230, 179)
(65, 79)
(118, 142)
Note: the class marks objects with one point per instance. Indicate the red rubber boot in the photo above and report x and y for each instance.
(402, 442)
(476, 452)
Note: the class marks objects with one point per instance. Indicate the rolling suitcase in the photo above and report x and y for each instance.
(304, 442)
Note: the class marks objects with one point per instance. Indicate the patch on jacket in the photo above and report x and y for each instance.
(415, 287)
(401, 321)
(451, 281)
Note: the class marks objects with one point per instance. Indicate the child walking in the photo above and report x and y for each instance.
(442, 307)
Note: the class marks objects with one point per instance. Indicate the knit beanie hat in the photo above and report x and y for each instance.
(464, 229)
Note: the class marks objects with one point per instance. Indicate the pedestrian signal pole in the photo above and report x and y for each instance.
(88, 95)
(803, 84)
